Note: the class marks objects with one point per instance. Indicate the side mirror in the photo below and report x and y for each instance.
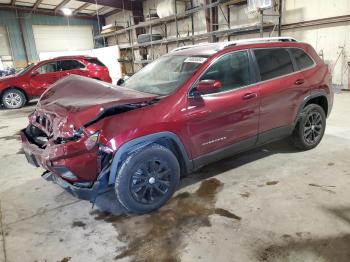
(34, 73)
(120, 81)
(208, 86)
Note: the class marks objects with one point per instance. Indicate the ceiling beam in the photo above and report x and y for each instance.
(37, 3)
(81, 8)
(100, 10)
(115, 11)
(124, 4)
(42, 11)
(62, 4)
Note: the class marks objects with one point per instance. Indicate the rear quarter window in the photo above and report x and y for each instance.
(70, 65)
(273, 62)
(302, 59)
(94, 61)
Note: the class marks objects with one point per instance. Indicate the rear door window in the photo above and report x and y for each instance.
(302, 59)
(70, 65)
(273, 62)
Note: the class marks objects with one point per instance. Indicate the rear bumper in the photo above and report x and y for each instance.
(330, 103)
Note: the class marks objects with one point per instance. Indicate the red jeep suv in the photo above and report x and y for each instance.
(34, 79)
(188, 108)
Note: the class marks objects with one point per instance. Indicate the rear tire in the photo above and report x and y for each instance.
(310, 128)
(147, 179)
(13, 99)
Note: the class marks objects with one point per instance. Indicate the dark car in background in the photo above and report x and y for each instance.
(33, 80)
(7, 72)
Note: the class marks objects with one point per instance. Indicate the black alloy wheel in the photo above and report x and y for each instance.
(151, 181)
(313, 127)
(310, 128)
(147, 178)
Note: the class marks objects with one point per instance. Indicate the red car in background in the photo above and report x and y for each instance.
(34, 79)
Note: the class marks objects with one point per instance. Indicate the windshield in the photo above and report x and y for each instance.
(23, 70)
(164, 75)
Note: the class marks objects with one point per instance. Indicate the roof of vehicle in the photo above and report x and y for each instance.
(74, 57)
(208, 49)
(65, 57)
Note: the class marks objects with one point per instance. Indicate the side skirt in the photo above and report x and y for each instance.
(275, 134)
(244, 145)
(224, 152)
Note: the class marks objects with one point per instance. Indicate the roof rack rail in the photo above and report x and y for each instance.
(243, 41)
(189, 46)
(262, 40)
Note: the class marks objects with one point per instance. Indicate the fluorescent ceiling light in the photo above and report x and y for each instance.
(67, 11)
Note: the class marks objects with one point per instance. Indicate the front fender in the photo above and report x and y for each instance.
(141, 142)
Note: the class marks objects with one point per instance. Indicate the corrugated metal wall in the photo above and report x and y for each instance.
(12, 21)
(8, 19)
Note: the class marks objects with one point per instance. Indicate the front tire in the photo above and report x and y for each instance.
(147, 179)
(13, 99)
(310, 128)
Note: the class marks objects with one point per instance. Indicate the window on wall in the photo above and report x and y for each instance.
(232, 70)
(273, 62)
(302, 59)
(70, 65)
(48, 68)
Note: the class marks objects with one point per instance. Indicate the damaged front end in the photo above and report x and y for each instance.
(79, 164)
(63, 139)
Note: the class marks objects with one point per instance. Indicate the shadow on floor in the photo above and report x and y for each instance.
(107, 201)
(21, 112)
(342, 213)
(308, 249)
(304, 247)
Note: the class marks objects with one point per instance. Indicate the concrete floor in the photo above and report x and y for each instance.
(269, 204)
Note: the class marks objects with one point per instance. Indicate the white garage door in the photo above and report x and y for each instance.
(50, 38)
(5, 51)
(4, 42)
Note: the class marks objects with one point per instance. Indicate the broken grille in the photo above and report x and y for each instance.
(43, 123)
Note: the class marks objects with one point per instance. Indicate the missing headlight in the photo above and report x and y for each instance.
(92, 141)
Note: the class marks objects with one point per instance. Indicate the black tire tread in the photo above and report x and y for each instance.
(296, 138)
(125, 165)
(23, 96)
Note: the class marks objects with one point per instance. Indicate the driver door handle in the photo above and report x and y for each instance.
(249, 96)
(299, 82)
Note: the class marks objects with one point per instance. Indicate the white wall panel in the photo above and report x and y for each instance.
(4, 42)
(62, 38)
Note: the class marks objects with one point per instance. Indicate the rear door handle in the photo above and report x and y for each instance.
(299, 82)
(249, 96)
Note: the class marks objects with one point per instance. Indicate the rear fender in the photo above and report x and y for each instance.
(318, 93)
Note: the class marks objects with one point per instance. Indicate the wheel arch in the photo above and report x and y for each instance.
(166, 139)
(318, 98)
(17, 88)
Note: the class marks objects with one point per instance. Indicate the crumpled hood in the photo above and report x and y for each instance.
(75, 100)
